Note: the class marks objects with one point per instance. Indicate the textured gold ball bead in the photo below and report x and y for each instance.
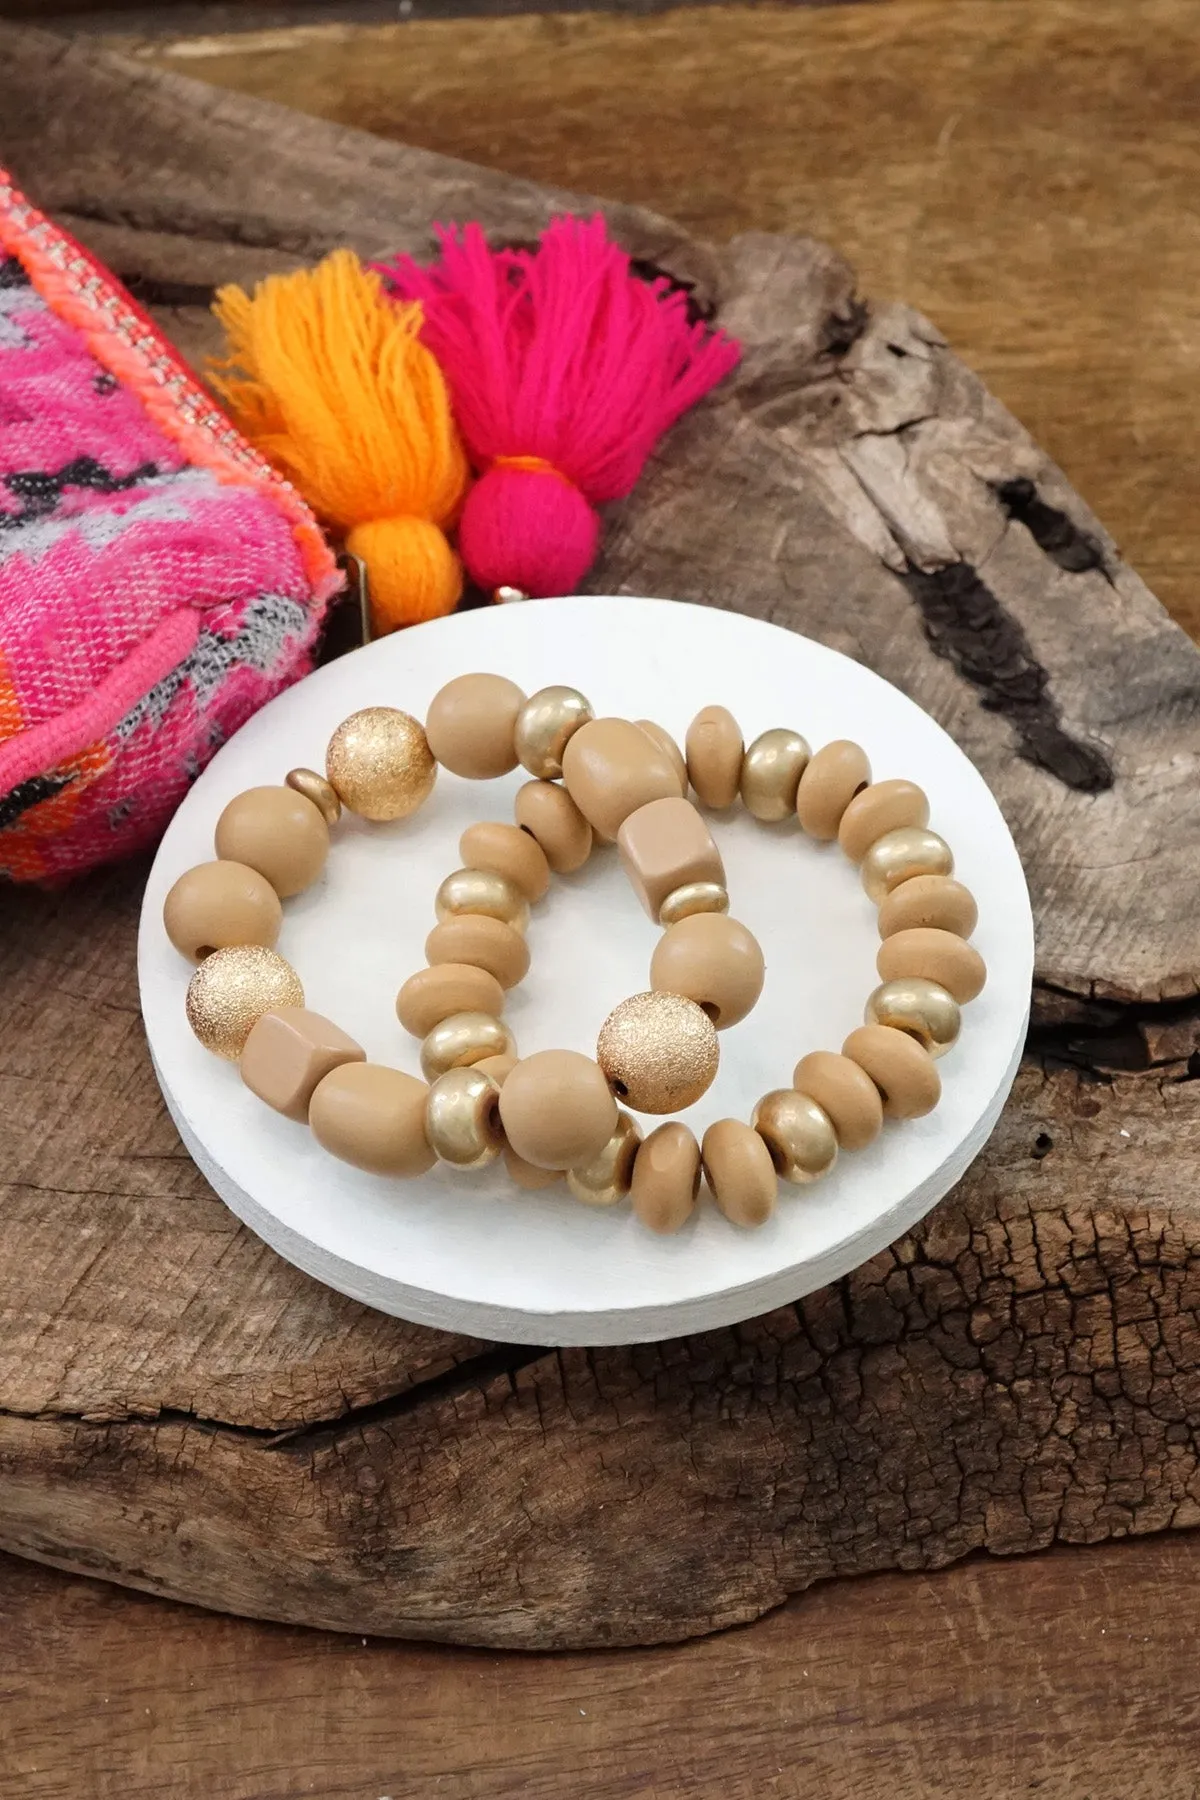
(798, 1133)
(314, 787)
(462, 1118)
(232, 989)
(482, 891)
(380, 764)
(659, 1052)
(608, 1177)
(462, 1039)
(921, 1008)
(902, 854)
(771, 771)
(545, 725)
(693, 897)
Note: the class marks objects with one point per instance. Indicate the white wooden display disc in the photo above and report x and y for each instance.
(470, 1253)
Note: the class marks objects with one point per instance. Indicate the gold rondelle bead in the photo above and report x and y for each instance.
(659, 1052)
(544, 725)
(462, 1118)
(607, 1178)
(462, 1039)
(693, 897)
(921, 1008)
(314, 787)
(482, 891)
(232, 989)
(900, 855)
(798, 1133)
(771, 771)
(379, 763)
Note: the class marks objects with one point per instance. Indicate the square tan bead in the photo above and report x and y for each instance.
(288, 1052)
(665, 845)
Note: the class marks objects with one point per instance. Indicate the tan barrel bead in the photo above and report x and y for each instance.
(846, 1092)
(833, 776)
(462, 1118)
(526, 1174)
(922, 1008)
(666, 845)
(771, 771)
(610, 768)
(738, 1169)
(693, 897)
(544, 725)
(605, 1180)
(314, 787)
(379, 764)
(714, 961)
(900, 855)
(557, 1109)
(499, 1068)
(232, 989)
(798, 1133)
(482, 892)
(471, 725)
(462, 1039)
(932, 902)
(507, 850)
(666, 1178)
(714, 756)
(279, 833)
(880, 808)
(221, 903)
(488, 943)
(940, 956)
(667, 744)
(433, 994)
(290, 1050)
(553, 820)
(374, 1118)
(904, 1073)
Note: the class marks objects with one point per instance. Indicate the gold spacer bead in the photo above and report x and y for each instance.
(379, 763)
(693, 897)
(902, 854)
(608, 1177)
(462, 1119)
(771, 771)
(798, 1133)
(314, 787)
(462, 1039)
(919, 1007)
(545, 725)
(482, 891)
(232, 989)
(659, 1052)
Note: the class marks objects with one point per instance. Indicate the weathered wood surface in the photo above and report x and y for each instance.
(183, 1412)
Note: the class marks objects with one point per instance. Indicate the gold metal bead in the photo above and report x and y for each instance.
(900, 855)
(798, 1133)
(771, 771)
(921, 1008)
(482, 891)
(232, 989)
(608, 1177)
(659, 1052)
(693, 897)
(314, 787)
(544, 724)
(380, 764)
(462, 1039)
(508, 596)
(462, 1118)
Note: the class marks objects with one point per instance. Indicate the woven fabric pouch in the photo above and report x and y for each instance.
(158, 580)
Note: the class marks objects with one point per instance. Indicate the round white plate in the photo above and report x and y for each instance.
(470, 1253)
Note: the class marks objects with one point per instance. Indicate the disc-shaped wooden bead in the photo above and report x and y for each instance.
(900, 855)
(798, 1133)
(527, 1175)
(714, 756)
(846, 1092)
(230, 992)
(940, 956)
(903, 1072)
(884, 806)
(374, 1118)
(666, 1178)
(714, 961)
(658, 1051)
(550, 816)
(832, 778)
(380, 764)
(934, 902)
(771, 771)
(288, 1052)
(488, 943)
(557, 1109)
(610, 768)
(507, 850)
(606, 1178)
(471, 725)
(218, 904)
(738, 1169)
(278, 832)
(436, 993)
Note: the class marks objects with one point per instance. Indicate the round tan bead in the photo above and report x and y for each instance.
(322, 793)
(929, 902)
(471, 725)
(904, 1073)
(846, 1092)
(545, 725)
(798, 1133)
(692, 898)
(667, 744)
(884, 806)
(526, 1174)
(605, 1180)
(434, 994)
(557, 1110)
(939, 956)
(738, 1169)
(922, 1008)
(462, 1118)
(379, 763)
(463, 1039)
(487, 943)
(771, 771)
(279, 833)
(482, 892)
(714, 756)
(230, 992)
(507, 850)
(666, 1178)
(834, 775)
(658, 1051)
(902, 854)
(553, 820)
(610, 768)
(714, 961)
(218, 904)
(374, 1118)
(499, 1068)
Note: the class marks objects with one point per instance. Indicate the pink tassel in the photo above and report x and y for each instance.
(565, 369)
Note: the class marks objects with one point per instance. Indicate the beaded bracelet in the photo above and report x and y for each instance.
(555, 1113)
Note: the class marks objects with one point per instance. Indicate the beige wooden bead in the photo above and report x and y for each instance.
(471, 725)
(288, 1052)
(218, 904)
(798, 1133)
(557, 1109)
(487, 943)
(553, 820)
(922, 1008)
(846, 1092)
(322, 793)
(940, 956)
(771, 771)
(482, 892)
(507, 850)
(933, 902)
(279, 833)
(606, 1179)
(664, 846)
(667, 743)
(880, 808)
(499, 1068)
(714, 961)
(434, 994)
(666, 1178)
(463, 1039)
(904, 1073)
(526, 1174)
(610, 768)
(462, 1118)
(544, 725)
(374, 1118)
(834, 775)
(714, 756)
(738, 1169)
(900, 855)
